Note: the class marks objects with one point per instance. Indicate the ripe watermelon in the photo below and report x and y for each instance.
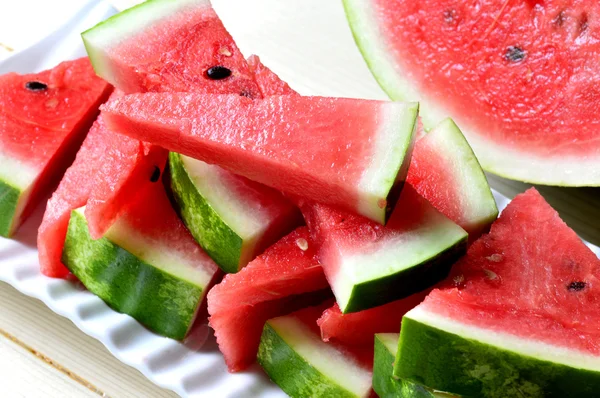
(165, 45)
(368, 265)
(147, 265)
(293, 355)
(521, 78)
(520, 311)
(269, 286)
(445, 171)
(359, 163)
(358, 328)
(43, 120)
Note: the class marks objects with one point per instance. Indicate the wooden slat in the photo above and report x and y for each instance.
(59, 355)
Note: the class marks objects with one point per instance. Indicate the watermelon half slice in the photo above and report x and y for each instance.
(521, 311)
(293, 355)
(43, 120)
(369, 265)
(147, 265)
(521, 78)
(286, 277)
(348, 152)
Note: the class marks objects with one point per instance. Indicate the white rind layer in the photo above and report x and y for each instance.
(16, 173)
(151, 252)
(399, 84)
(108, 34)
(329, 361)
(394, 142)
(509, 342)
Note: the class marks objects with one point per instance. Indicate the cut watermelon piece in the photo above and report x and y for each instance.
(359, 163)
(148, 265)
(368, 265)
(43, 120)
(384, 382)
(520, 310)
(358, 328)
(165, 45)
(268, 82)
(293, 355)
(445, 171)
(520, 78)
(234, 219)
(271, 285)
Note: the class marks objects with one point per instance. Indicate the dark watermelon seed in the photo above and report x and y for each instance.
(218, 73)
(514, 54)
(36, 86)
(576, 286)
(155, 174)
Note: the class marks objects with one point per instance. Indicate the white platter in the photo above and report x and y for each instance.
(308, 44)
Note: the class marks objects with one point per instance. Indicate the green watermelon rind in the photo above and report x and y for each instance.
(219, 241)
(384, 382)
(451, 356)
(502, 160)
(295, 375)
(113, 30)
(401, 284)
(10, 198)
(160, 301)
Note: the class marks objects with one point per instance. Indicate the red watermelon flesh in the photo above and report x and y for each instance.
(42, 127)
(359, 328)
(521, 78)
(268, 82)
(358, 163)
(269, 286)
(531, 277)
(168, 46)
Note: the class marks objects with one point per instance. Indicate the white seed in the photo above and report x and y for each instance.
(302, 244)
(496, 258)
(490, 274)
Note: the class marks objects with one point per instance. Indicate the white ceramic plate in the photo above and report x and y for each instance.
(308, 43)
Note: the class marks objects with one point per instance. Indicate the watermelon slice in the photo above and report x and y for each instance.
(165, 45)
(520, 310)
(445, 171)
(268, 82)
(293, 355)
(147, 265)
(521, 78)
(359, 162)
(43, 120)
(358, 328)
(384, 382)
(271, 285)
(368, 265)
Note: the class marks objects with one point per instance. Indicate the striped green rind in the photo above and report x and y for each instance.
(219, 241)
(164, 303)
(291, 372)
(384, 382)
(460, 365)
(9, 203)
(411, 280)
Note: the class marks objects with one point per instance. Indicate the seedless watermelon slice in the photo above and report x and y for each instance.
(368, 265)
(520, 310)
(271, 285)
(520, 78)
(445, 171)
(348, 152)
(43, 120)
(164, 45)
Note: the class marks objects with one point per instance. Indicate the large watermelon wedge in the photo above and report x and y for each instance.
(43, 120)
(521, 311)
(271, 285)
(521, 78)
(348, 152)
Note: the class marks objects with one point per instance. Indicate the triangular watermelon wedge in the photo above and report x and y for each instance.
(43, 120)
(521, 311)
(347, 152)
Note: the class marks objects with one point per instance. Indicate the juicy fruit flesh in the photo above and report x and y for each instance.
(524, 71)
(541, 287)
(356, 171)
